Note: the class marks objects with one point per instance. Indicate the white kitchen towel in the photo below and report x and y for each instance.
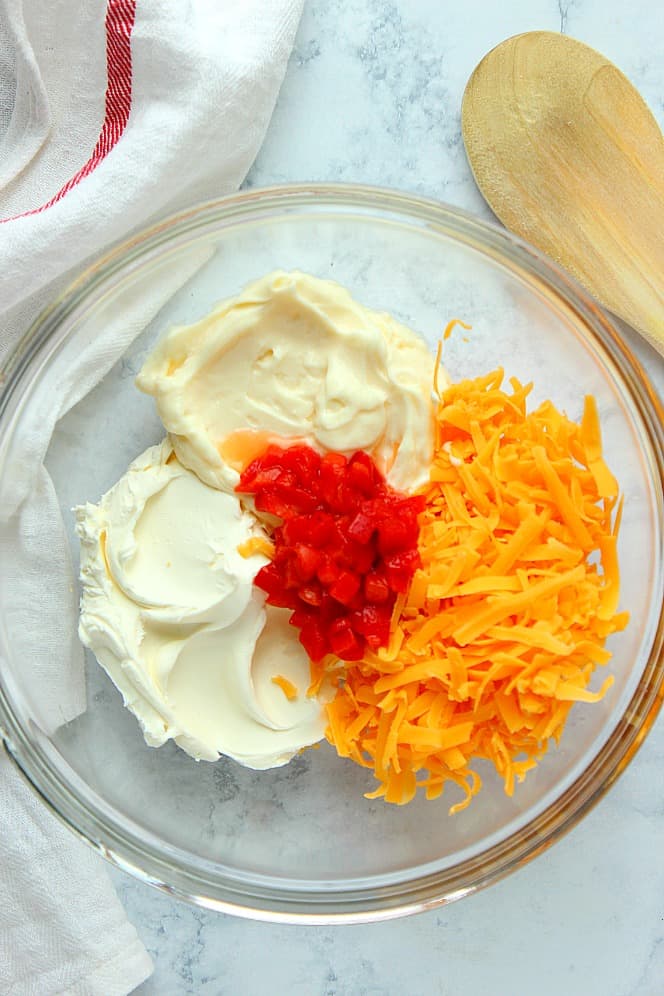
(112, 112)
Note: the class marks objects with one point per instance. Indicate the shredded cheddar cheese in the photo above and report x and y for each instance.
(287, 686)
(256, 544)
(506, 619)
(450, 326)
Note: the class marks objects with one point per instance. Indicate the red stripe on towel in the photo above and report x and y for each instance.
(120, 17)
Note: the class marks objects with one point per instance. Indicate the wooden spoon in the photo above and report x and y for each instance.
(569, 156)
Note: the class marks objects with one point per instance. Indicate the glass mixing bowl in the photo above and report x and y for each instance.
(302, 842)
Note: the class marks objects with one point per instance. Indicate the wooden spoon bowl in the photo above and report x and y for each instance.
(569, 156)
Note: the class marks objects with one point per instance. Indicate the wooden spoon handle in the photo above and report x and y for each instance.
(569, 156)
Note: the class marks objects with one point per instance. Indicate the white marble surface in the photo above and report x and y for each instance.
(373, 94)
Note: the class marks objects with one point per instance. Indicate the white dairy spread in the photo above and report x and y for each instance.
(168, 605)
(294, 356)
(170, 611)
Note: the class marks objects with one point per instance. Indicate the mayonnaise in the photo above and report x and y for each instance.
(170, 611)
(294, 356)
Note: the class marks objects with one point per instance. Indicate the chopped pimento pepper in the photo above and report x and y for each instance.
(346, 546)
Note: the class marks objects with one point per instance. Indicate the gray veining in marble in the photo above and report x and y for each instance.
(373, 94)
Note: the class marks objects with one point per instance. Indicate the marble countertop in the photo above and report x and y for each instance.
(373, 94)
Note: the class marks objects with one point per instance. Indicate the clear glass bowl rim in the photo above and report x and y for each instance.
(264, 897)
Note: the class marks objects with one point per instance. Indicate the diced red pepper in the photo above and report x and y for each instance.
(343, 641)
(363, 556)
(376, 588)
(330, 609)
(399, 568)
(297, 497)
(373, 623)
(321, 528)
(315, 528)
(290, 575)
(268, 500)
(277, 594)
(345, 588)
(362, 527)
(393, 535)
(360, 478)
(328, 570)
(307, 561)
(331, 478)
(403, 560)
(304, 460)
(347, 544)
(314, 639)
(301, 616)
(269, 579)
(311, 594)
(263, 478)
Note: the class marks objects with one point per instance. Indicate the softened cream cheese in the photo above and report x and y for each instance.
(170, 611)
(294, 356)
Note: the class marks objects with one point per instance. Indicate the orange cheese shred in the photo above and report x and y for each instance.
(287, 686)
(507, 617)
(256, 544)
(451, 324)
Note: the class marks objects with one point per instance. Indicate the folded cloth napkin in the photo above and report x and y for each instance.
(112, 112)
